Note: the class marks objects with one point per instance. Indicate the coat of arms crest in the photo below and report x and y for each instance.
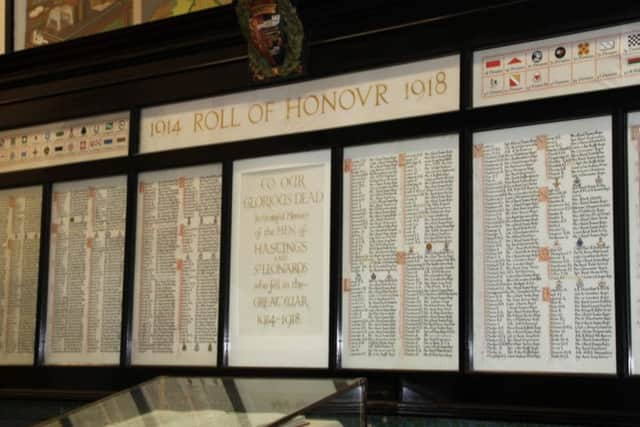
(275, 35)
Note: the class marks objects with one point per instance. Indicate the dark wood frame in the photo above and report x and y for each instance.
(205, 55)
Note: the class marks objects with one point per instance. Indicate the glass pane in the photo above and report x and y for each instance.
(246, 402)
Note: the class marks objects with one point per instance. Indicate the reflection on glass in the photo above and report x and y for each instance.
(229, 402)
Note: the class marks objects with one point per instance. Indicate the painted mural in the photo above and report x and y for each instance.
(51, 21)
(153, 10)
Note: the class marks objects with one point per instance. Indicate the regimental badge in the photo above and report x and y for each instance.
(633, 40)
(537, 56)
(583, 49)
(275, 35)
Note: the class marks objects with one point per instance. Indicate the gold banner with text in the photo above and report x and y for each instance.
(410, 90)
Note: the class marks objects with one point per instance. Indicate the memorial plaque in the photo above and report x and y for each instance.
(543, 266)
(633, 156)
(279, 303)
(20, 222)
(86, 269)
(177, 276)
(400, 255)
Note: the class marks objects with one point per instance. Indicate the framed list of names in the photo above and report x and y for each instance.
(400, 255)
(20, 221)
(633, 156)
(177, 275)
(86, 263)
(279, 290)
(543, 278)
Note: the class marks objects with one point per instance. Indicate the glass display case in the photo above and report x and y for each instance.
(228, 402)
